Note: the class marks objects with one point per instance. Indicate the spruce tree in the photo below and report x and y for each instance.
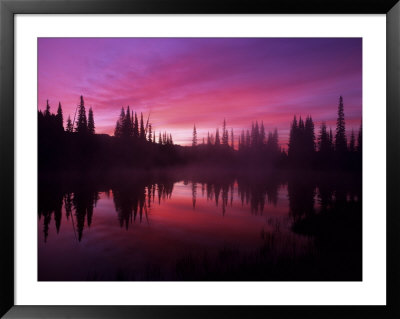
(359, 140)
(324, 145)
(194, 138)
(262, 133)
(127, 124)
(81, 125)
(293, 138)
(142, 132)
(217, 140)
(150, 133)
(248, 139)
(91, 127)
(59, 118)
(242, 141)
(70, 127)
(332, 147)
(352, 144)
(136, 127)
(118, 132)
(47, 111)
(340, 138)
(224, 134)
(309, 136)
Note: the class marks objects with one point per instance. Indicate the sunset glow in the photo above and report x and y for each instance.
(185, 81)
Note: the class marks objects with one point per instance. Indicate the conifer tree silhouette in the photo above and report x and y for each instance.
(47, 111)
(217, 140)
(224, 134)
(142, 132)
(324, 144)
(352, 143)
(91, 127)
(118, 132)
(194, 139)
(150, 133)
(340, 138)
(136, 127)
(309, 136)
(81, 125)
(293, 137)
(70, 127)
(127, 124)
(59, 118)
(262, 134)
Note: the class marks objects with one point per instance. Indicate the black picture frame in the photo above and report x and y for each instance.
(9, 8)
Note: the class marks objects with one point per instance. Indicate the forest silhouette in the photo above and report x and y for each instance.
(136, 144)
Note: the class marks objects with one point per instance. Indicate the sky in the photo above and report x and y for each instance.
(185, 81)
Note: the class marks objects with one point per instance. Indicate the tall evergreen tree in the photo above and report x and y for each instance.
(273, 143)
(340, 138)
(194, 138)
(118, 132)
(262, 133)
(224, 134)
(150, 133)
(136, 127)
(142, 132)
(332, 147)
(359, 140)
(217, 140)
(309, 136)
(91, 127)
(126, 124)
(132, 131)
(70, 127)
(352, 144)
(324, 144)
(248, 139)
(47, 111)
(293, 137)
(242, 142)
(59, 117)
(81, 125)
(232, 140)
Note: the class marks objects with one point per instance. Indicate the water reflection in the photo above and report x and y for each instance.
(273, 221)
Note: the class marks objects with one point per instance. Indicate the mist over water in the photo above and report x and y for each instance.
(200, 224)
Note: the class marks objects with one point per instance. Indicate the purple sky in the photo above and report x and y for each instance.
(186, 81)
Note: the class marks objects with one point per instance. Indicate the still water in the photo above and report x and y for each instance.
(191, 225)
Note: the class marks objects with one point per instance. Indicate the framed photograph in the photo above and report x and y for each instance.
(172, 159)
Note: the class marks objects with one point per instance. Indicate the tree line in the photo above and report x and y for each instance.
(305, 148)
(135, 142)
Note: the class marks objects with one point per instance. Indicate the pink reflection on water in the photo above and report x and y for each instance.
(173, 228)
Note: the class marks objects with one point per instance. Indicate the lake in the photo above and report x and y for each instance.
(200, 224)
